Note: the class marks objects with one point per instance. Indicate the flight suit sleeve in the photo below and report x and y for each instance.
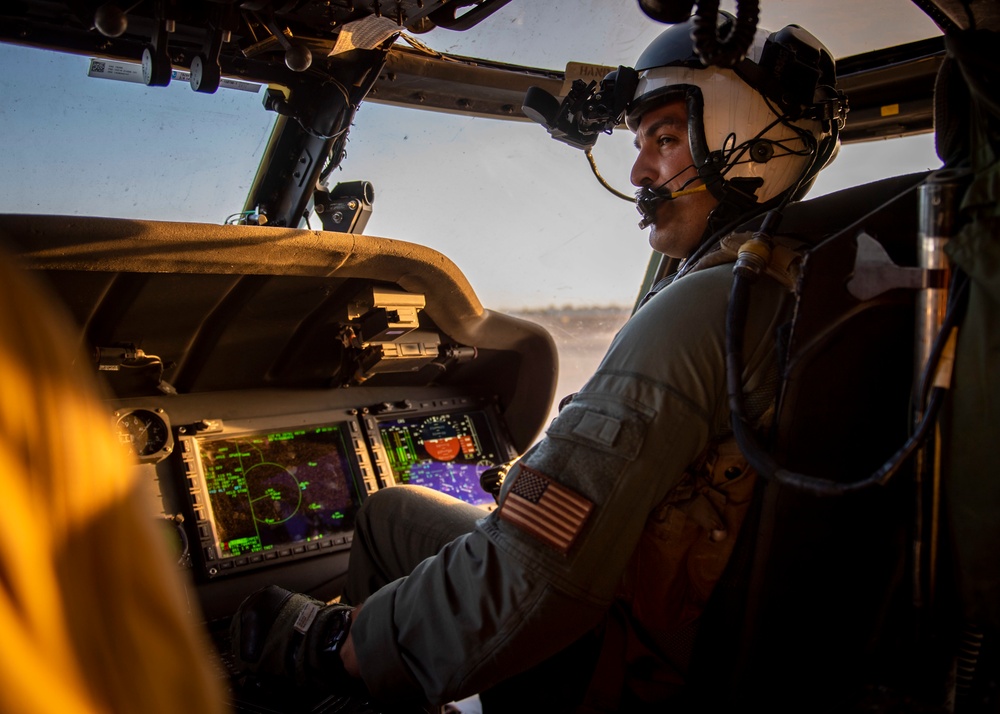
(542, 569)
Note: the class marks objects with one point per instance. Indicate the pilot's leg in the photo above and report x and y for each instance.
(399, 527)
(396, 529)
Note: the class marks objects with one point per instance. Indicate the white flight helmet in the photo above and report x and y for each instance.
(765, 126)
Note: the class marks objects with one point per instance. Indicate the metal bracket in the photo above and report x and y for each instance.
(875, 273)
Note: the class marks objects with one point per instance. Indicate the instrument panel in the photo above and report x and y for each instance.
(256, 489)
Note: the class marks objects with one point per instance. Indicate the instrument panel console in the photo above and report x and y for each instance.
(257, 489)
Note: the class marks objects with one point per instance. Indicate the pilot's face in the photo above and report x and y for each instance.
(664, 160)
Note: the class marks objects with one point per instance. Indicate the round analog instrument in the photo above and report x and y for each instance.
(144, 433)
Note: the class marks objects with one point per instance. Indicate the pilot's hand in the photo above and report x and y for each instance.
(278, 634)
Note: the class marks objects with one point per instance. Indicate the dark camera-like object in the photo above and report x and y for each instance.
(346, 207)
(587, 111)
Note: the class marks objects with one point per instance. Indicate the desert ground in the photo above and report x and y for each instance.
(582, 337)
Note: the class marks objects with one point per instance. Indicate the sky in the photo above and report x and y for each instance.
(520, 214)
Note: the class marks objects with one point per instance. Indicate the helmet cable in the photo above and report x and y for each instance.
(609, 187)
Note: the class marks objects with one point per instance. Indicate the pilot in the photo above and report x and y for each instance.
(584, 590)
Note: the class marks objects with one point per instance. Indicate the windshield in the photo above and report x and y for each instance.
(86, 145)
(522, 215)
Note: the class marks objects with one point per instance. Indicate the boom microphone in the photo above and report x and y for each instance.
(648, 200)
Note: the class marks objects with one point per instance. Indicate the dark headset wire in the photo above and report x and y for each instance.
(760, 459)
(603, 182)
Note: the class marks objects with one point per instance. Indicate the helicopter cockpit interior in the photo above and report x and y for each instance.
(267, 378)
(270, 371)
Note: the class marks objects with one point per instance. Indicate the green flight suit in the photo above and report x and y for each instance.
(503, 593)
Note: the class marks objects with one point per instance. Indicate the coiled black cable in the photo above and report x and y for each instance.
(762, 461)
(724, 52)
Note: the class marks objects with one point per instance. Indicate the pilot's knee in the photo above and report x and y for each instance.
(390, 503)
(400, 504)
(385, 516)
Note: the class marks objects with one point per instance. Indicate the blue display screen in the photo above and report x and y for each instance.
(446, 452)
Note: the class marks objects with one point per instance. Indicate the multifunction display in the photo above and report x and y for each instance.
(446, 452)
(275, 494)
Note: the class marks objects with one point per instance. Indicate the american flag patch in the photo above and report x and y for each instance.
(544, 509)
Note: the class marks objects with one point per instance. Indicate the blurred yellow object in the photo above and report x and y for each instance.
(92, 617)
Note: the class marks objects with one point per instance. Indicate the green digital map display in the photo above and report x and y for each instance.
(272, 489)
